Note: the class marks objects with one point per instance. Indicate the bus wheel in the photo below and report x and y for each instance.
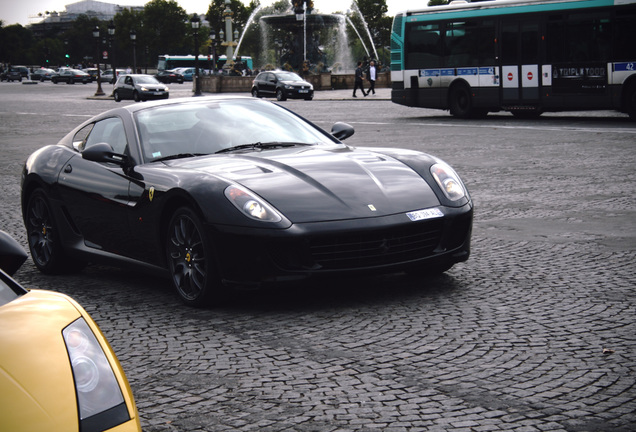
(461, 104)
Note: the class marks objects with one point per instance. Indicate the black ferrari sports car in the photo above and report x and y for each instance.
(237, 191)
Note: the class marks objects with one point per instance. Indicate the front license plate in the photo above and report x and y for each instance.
(158, 93)
(303, 91)
(425, 214)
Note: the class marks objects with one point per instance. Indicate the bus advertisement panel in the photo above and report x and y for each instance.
(522, 56)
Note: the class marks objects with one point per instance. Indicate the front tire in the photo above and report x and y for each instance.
(190, 259)
(44, 238)
(460, 102)
(116, 96)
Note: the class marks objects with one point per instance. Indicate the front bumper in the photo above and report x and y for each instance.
(376, 245)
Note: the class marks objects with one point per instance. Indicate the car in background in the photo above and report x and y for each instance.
(71, 76)
(187, 72)
(139, 87)
(107, 75)
(283, 85)
(224, 191)
(57, 370)
(42, 74)
(169, 77)
(92, 72)
(15, 73)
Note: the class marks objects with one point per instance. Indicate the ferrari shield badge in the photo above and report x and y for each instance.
(151, 193)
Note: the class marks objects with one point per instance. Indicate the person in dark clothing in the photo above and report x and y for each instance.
(358, 81)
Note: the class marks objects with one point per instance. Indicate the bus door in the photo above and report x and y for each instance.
(520, 69)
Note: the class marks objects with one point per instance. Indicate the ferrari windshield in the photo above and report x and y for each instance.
(214, 126)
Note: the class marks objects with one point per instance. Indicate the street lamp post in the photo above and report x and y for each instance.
(213, 48)
(99, 91)
(133, 38)
(111, 35)
(196, 21)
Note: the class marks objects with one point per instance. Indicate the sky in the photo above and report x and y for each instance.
(18, 12)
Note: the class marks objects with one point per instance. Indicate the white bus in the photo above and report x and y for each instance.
(522, 56)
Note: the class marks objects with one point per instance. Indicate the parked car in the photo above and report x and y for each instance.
(187, 72)
(139, 87)
(107, 75)
(283, 85)
(220, 191)
(58, 371)
(15, 73)
(169, 77)
(42, 74)
(92, 72)
(71, 76)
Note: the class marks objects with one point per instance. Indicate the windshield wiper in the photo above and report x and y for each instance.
(260, 146)
(178, 156)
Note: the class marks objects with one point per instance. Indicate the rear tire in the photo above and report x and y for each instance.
(136, 97)
(255, 93)
(630, 101)
(190, 259)
(280, 96)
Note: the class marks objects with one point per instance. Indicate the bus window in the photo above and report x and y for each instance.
(510, 43)
(529, 43)
(423, 46)
(587, 38)
(625, 48)
(470, 43)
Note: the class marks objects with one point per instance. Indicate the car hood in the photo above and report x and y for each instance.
(35, 373)
(318, 184)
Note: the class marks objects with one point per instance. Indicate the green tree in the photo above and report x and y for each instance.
(166, 29)
(16, 44)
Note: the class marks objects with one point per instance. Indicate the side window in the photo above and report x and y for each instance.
(110, 131)
(423, 46)
(79, 140)
(128, 80)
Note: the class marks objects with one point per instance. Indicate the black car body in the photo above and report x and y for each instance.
(282, 85)
(139, 87)
(169, 77)
(71, 76)
(238, 191)
(42, 74)
(15, 73)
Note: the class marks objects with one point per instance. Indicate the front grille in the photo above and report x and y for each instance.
(363, 249)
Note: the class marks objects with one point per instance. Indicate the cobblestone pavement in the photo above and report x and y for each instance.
(535, 332)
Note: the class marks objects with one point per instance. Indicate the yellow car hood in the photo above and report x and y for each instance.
(36, 380)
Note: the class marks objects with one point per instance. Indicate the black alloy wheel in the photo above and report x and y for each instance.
(43, 236)
(190, 259)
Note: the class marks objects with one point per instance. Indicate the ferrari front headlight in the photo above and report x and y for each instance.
(448, 181)
(96, 386)
(251, 205)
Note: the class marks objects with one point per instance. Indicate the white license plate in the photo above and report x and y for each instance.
(303, 91)
(425, 214)
(158, 93)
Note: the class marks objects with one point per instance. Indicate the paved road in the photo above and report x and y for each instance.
(535, 332)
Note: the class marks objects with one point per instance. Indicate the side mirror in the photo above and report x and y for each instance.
(103, 152)
(12, 255)
(342, 131)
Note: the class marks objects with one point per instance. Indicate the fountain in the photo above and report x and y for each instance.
(300, 35)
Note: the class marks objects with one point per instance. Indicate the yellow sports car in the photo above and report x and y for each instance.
(57, 371)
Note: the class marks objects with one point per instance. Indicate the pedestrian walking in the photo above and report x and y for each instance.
(371, 76)
(358, 80)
